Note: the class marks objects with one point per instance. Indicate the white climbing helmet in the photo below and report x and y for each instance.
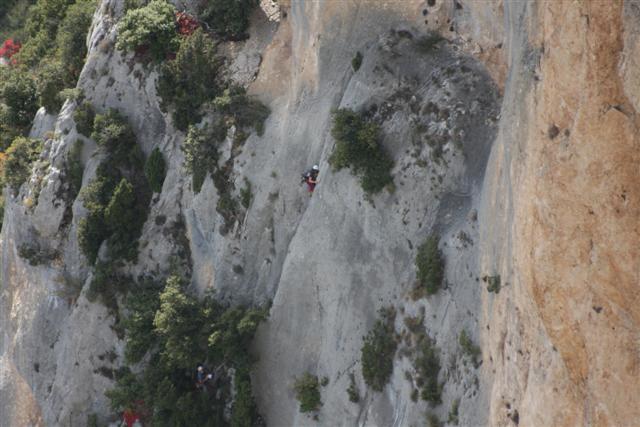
(315, 168)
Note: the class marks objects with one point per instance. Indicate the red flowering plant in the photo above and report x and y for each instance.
(187, 24)
(10, 48)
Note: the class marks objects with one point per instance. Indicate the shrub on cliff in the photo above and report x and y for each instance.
(179, 332)
(92, 230)
(358, 147)
(229, 18)
(151, 27)
(469, 348)
(242, 110)
(378, 351)
(49, 83)
(19, 94)
(84, 116)
(113, 132)
(123, 221)
(155, 169)
(71, 39)
(427, 365)
(74, 167)
(43, 19)
(190, 80)
(19, 160)
(8, 132)
(307, 390)
(201, 155)
(430, 265)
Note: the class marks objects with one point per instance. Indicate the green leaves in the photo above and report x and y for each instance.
(229, 18)
(180, 331)
(20, 96)
(358, 146)
(191, 79)
(155, 170)
(152, 27)
(307, 390)
(19, 160)
(378, 351)
(430, 265)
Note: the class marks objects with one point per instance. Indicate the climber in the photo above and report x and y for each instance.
(311, 178)
(202, 377)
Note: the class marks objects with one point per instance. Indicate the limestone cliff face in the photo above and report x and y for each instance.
(564, 336)
(534, 107)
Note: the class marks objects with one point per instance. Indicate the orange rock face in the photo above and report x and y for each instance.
(575, 266)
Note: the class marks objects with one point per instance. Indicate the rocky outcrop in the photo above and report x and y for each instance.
(514, 139)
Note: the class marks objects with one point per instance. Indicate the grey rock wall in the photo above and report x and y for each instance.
(327, 262)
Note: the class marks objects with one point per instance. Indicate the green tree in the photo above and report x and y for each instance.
(91, 233)
(41, 27)
(113, 132)
(50, 81)
(19, 160)
(92, 230)
(8, 132)
(20, 96)
(191, 79)
(71, 39)
(229, 18)
(84, 116)
(307, 391)
(430, 265)
(378, 351)
(177, 323)
(123, 221)
(359, 147)
(152, 26)
(201, 155)
(155, 170)
(120, 213)
(74, 166)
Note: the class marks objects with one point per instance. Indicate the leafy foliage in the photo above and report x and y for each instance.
(190, 80)
(201, 152)
(155, 169)
(41, 27)
(49, 82)
(242, 110)
(151, 27)
(92, 230)
(308, 392)
(19, 160)
(84, 117)
(378, 351)
(352, 390)
(493, 283)
(358, 147)
(469, 348)
(427, 366)
(74, 167)
(229, 18)
(106, 285)
(123, 221)
(430, 265)
(71, 39)
(181, 332)
(19, 94)
(8, 132)
(13, 15)
(113, 132)
(245, 194)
